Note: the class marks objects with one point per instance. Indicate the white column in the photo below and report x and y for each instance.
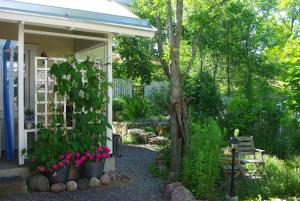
(109, 91)
(21, 92)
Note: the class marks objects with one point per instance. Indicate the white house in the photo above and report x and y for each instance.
(44, 31)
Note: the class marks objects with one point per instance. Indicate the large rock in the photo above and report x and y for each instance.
(12, 186)
(39, 183)
(143, 138)
(94, 182)
(151, 134)
(83, 183)
(57, 188)
(135, 132)
(105, 179)
(114, 175)
(180, 193)
(159, 140)
(71, 186)
(170, 187)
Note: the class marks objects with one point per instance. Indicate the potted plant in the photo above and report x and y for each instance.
(50, 155)
(93, 161)
(89, 99)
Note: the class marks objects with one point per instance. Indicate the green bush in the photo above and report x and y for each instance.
(201, 163)
(273, 127)
(283, 180)
(118, 104)
(204, 95)
(159, 102)
(239, 115)
(135, 108)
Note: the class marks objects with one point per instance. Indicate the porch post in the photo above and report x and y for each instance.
(109, 91)
(21, 92)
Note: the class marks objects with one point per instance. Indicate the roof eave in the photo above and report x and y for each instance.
(76, 24)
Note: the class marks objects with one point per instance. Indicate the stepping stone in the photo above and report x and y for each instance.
(159, 140)
(11, 186)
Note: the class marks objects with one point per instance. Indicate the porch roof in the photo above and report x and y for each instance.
(97, 15)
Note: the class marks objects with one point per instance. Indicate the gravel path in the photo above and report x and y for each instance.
(135, 163)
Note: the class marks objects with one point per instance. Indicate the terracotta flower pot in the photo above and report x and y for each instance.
(61, 175)
(93, 169)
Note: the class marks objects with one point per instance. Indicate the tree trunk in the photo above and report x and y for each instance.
(228, 64)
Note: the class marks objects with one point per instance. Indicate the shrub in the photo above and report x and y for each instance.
(273, 127)
(159, 102)
(239, 115)
(283, 181)
(135, 107)
(204, 95)
(118, 104)
(201, 165)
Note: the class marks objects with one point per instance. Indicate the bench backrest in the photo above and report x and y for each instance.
(246, 145)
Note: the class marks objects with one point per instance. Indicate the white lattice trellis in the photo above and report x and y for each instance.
(44, 93)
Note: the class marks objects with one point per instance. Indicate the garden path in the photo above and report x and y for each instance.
(135, 163)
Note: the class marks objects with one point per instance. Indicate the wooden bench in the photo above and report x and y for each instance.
(248, 154)
(226, 164)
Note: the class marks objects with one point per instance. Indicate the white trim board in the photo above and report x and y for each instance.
(75, 25)
(63, 35)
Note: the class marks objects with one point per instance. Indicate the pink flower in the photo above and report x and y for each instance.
(88, 154)
(105, 155)
(54, 174)
(77, 155)
(68, 156)
(98, 156)
(62, 156)
(82, 158)
(91, 157)
(61, 164)
(42, 168)
(100, 149)
(54, 166)
(67, 161)
(78, 163)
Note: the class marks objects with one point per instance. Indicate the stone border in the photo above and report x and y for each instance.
(177, 192)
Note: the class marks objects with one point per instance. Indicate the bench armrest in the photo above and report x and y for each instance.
(260, 150)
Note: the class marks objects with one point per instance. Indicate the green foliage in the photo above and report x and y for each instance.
(283, 181)
(135, 61)
(130, 139)
(203, 94)
(159, 102)
(165, 159)
(294, 85)
(118, 107)
(239, 115)
(201, 163)
(50, 144)
(85, 86)
(118, 104)
(135, 108)
(273, 127)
